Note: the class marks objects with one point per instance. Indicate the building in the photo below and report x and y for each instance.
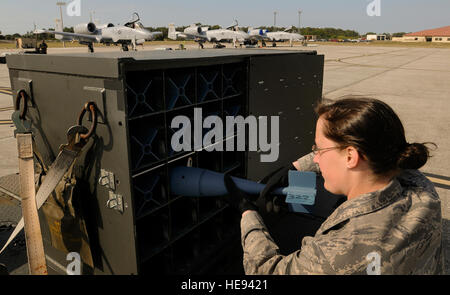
(376, 37)
(434, 35)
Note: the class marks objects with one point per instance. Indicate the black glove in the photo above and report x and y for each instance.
(276, 179)
(237, 198)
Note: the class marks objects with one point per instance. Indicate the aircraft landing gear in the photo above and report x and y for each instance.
(124, 47)
(91, 47)
(274, 44)
(218, 45)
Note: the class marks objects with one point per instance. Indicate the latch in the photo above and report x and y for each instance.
(115, 201)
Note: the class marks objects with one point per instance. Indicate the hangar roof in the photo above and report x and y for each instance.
(439, 32)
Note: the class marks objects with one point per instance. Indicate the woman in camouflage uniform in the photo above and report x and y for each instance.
(391, 220)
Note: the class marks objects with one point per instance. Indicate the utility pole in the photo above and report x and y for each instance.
(93, 20)
(299, 19)
(275, 18)
(36, 35)
(61, 4)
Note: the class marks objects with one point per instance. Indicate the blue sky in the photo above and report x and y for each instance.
(396, 15)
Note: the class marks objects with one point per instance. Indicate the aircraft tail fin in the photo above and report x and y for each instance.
(288, 29)
(172, 32)
(58, 28)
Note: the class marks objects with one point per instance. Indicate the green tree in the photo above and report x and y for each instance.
(28, 34)
(180, 29)
(163, 30)
(68, 30)
(400, 34)
(46, 36)
(329, 33)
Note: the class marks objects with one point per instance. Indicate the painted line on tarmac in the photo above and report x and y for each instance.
(375, 75)
(7, 109)
(439, 180)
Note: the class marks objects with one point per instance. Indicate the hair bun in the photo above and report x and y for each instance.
(414, 156)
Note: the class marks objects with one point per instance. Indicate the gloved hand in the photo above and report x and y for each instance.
(237, 198)
(276, 179)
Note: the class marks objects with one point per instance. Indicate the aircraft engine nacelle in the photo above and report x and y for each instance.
(193, 30)
(88, 28)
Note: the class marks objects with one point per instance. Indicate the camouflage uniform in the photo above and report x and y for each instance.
(399, 226)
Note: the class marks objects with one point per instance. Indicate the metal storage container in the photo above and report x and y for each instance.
(137, 94)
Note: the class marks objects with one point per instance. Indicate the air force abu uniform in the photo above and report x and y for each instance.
(395, 230)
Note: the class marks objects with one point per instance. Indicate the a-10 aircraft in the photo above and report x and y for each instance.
(280, 36)
(132, 33)
(202, 34)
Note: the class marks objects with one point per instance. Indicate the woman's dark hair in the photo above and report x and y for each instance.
(373, 128)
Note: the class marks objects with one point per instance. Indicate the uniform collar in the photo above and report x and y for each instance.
(363, 204)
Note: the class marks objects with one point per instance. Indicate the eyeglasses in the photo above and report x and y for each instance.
(316, 150)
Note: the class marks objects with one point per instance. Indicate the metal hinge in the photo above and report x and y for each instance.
(115, 202)
(107, 179)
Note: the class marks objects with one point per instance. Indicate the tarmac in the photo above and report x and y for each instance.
(413, 81)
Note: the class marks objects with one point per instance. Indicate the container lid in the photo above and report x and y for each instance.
(107, 64)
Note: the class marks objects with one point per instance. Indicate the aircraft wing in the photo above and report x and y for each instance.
(193, 36)
(75, 36)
